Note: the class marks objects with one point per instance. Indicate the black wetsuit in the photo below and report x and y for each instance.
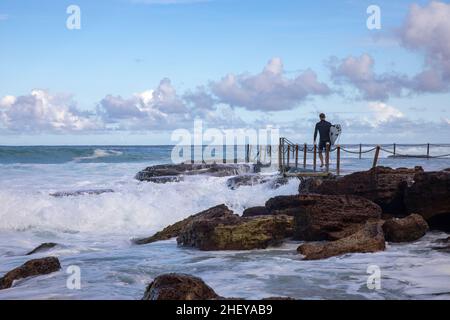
(323, 127)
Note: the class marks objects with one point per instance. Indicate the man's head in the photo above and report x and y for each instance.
(322, 116)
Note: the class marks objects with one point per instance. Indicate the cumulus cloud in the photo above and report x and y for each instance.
(41, 111)
(163, 108)
(269, 90)
(427, 29)
(383, 113)
(149, 109)
(358, 71)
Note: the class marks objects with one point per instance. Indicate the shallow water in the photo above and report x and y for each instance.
(94, 233)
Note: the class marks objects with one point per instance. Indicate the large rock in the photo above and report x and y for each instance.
(370, 238)
(172, 231)
(382, 185)
(429, 196)
(30, 268)
(175, 286)
(411, 228)
(236, 233)
(325, 217)
(168, 170)
(179, 286)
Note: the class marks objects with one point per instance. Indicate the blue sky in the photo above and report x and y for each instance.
(127, 47)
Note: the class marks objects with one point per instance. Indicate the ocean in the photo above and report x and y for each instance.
(94, 232)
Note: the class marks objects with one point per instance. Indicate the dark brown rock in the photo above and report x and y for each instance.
(382, 185)
(325, 217)
(429, 196)
(43, 247)
(172, 231)
(255, 211)
(236, 233)
(370, 238)
(30, 268)
(176, 286)
(410, 228)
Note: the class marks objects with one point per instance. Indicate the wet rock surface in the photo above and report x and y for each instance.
(410, 228)
(325, 217)
(176, 286)
(382, 185)
(429, 196)
(370, 238)
(30, 268)
(85, 192)
(42, 248)
(214, 169)
(172, 231)
(236, 233)
(274, 182)
(245, 180)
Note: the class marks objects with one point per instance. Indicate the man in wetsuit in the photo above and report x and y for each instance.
(323, 127)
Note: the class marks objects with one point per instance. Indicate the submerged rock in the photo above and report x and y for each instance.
(370, 238)
(165, 179)
(274, 182)
(325, 217)
(236, 233)
(177, 286)
(429, 196)
(443, 240)
(214, 169)
(410, 228)
(382, 185)
(43, 247)
(245, 180)
(172, 231)
(30, 268)
(80, 192)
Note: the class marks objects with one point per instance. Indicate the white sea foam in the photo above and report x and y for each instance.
(133, 207)
(100, 153)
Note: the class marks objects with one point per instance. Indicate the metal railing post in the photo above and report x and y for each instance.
(305, 150)
(327, 157)
(338, 160)
(315, 157)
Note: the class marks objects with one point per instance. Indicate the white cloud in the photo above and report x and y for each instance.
(426, 30)
(383, 113)
(269, 90)
(358, 71)
(156, 108)
(41, 111)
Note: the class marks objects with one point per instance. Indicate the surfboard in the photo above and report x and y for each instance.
(335, 132)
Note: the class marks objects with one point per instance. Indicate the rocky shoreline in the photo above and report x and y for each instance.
(333, 216)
